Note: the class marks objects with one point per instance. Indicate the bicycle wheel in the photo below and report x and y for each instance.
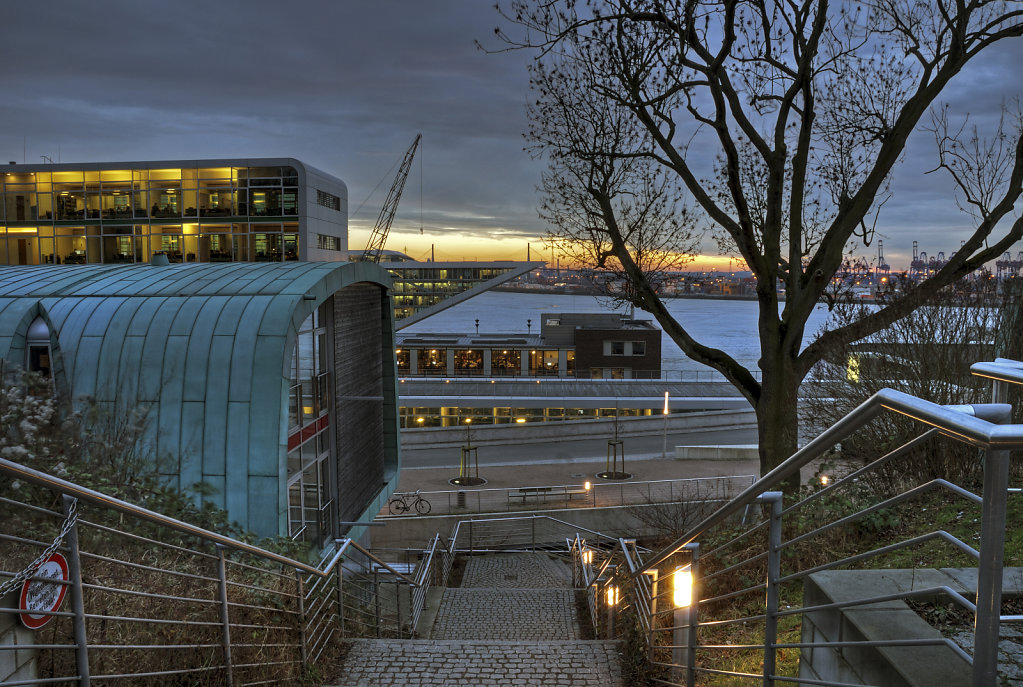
(422, 506)
(397, 506)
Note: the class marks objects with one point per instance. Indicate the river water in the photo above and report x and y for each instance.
(730, 325)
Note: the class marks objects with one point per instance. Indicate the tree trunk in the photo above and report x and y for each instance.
(777, 416)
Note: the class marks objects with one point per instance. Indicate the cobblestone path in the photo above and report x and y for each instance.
(438, 663)
(512, 622)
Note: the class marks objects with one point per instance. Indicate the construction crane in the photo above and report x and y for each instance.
(379, 236)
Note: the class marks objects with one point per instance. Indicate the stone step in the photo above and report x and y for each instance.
(440, 663)
(517, 570)
(507, 614)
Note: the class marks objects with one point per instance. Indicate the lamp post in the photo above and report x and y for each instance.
(469, 462)
(664, 449)
(683, 636)
(681, 597)
(612, 603)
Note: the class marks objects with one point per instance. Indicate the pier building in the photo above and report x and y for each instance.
(567, 345)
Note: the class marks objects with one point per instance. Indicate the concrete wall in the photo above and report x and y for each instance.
(19, 664)
(918, 666)
(535, 432)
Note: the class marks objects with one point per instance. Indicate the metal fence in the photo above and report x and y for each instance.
(777, 590)
(591, 494)
(153, 599)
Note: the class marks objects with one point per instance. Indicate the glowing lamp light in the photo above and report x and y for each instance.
(825, 480)
(520, 420)
(587, 485)
(612, 596)
(308, 410)
(468, 420)
(420, 420)
(682, 589)
(666, 403)
(587, 557)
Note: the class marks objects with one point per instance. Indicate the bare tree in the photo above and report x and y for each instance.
(804, 107)
(927, 353)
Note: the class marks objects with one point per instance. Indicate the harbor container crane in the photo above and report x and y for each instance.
(380, 230)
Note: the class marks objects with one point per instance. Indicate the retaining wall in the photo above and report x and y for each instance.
(17, 664)
(535, 432)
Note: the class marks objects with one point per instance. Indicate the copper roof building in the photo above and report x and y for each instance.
(272, 384)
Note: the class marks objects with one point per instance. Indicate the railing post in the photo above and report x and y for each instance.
(301, 615)
(338, 570)
(654, 590)
(774, 498)
(224, 614)
(74, 564)
(532, 534)
(609, 628)
(694, 615)
(989, 568)
(992, 558)
(376, 594)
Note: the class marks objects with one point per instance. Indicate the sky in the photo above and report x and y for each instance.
(345, 86)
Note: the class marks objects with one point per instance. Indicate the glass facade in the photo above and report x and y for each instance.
(454, 416)
(543, 363)
(214, 214)
(433, 361)
(469, 362)
(418, 288)
(310, 497)
(505, 363)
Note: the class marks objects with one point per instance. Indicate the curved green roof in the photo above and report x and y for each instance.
(205, 348)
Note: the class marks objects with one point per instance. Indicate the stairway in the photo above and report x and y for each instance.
(512, 621)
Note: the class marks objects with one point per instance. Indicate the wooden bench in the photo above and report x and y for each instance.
(541, 493)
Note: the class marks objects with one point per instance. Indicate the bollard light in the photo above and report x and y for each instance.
(587, 485)
(612, 596)
(682, 594)
(825, 480)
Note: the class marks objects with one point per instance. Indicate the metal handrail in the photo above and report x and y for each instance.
(61, 485)
(999, 370)
(759, 568)
(973, 424)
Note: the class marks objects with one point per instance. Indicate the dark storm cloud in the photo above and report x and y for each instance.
(345, 86)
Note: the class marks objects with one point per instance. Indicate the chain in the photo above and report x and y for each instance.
(30, 570)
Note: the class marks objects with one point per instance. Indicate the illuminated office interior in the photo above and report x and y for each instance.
(262, 210)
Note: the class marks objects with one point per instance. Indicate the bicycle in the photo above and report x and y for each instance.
(403, 503)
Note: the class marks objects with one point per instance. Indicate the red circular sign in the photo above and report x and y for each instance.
(40, 595)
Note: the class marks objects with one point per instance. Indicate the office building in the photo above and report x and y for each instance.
(229, 210)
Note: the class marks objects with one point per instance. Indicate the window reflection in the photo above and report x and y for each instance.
(433, 361)
(505, 363)
(310, 502)
(469, 362)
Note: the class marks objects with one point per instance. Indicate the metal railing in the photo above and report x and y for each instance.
(598, 495)
(514, 534)
(152, 598)
(772, 604)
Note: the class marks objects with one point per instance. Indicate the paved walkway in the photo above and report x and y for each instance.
(512, 622)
